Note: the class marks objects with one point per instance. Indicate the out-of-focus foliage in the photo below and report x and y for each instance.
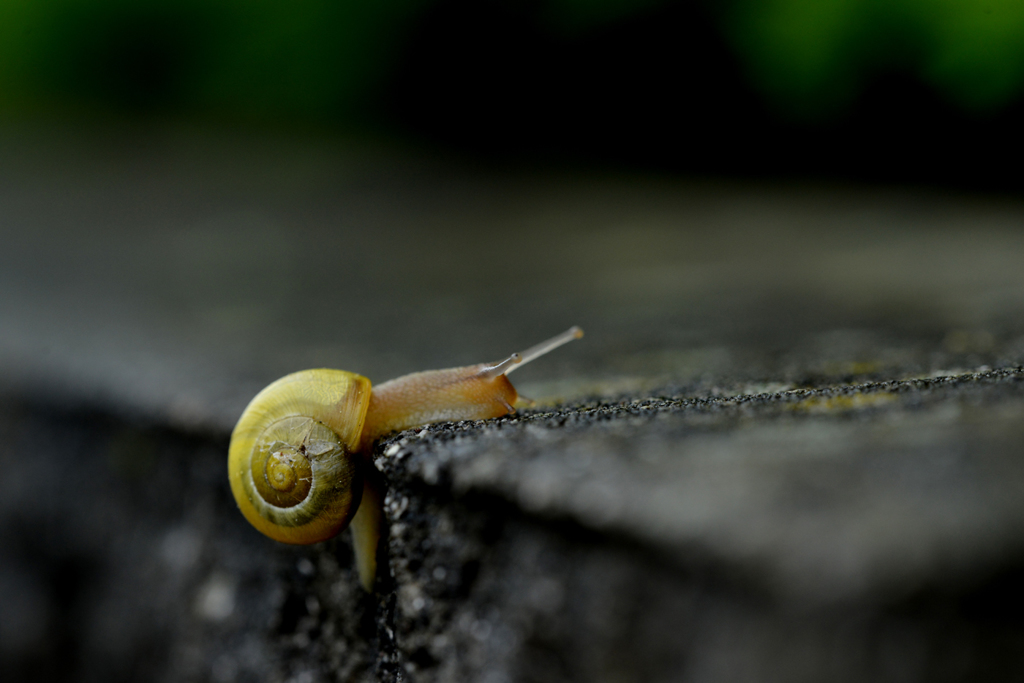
(813, 56)
(241, 57)
(326, 59)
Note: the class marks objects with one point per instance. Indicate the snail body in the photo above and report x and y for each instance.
(299, 460)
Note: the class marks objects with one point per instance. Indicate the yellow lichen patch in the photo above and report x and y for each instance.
(841, 402)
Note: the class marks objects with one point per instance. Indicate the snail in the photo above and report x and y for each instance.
(299, 460)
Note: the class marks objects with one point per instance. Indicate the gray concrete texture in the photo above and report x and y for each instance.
(789, 447)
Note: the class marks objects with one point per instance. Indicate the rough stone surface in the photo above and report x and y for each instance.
(867, 532)
(789, 448)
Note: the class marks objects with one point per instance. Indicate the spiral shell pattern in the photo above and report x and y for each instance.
(293, 463)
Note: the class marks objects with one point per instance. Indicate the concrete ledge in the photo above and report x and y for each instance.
(866, 532)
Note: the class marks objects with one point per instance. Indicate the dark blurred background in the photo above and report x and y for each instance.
(918, 91)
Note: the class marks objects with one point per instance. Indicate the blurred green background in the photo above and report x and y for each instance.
(812, 56)
(694, 86)
(222, 58)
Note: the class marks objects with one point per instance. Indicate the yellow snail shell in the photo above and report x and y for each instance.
(294, 461)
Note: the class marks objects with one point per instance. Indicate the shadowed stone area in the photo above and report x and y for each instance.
(790, 447)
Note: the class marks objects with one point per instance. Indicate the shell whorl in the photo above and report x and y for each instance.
(294, 464)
